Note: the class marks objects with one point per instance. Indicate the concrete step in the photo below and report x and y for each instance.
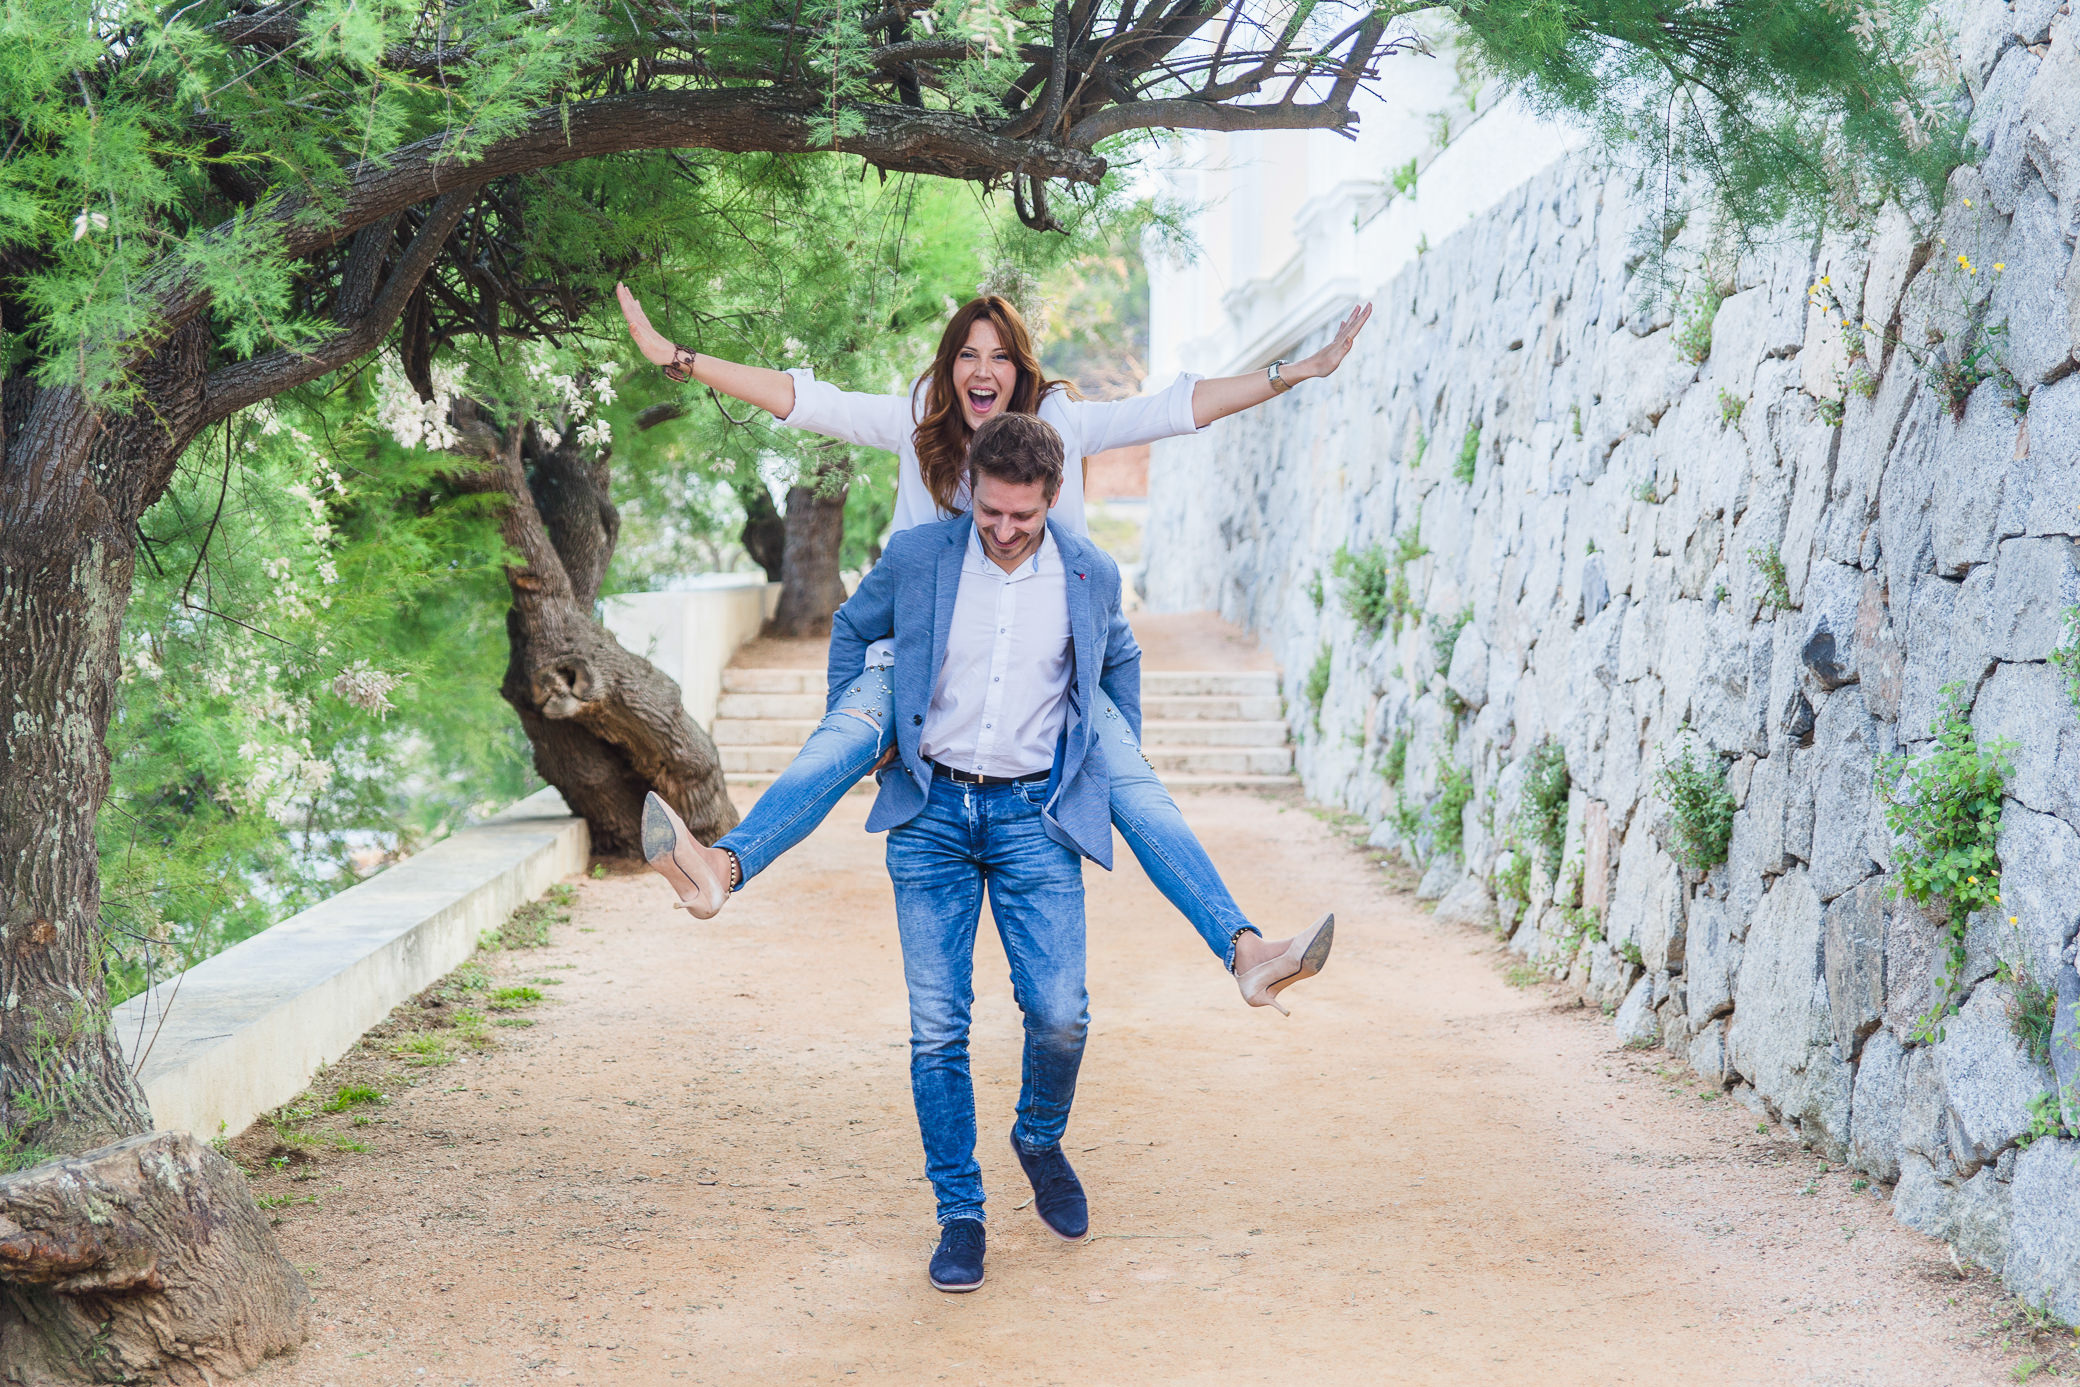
(1166, 683)
(1159, 708)
(1212, 707)
(1192, 760)
(1154, 683)
(770, 705)
(792, 732)
(773, 681)
(1169, 761)
(1175, 782)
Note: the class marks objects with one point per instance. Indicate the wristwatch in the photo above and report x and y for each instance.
(680, 368)
(1279, 384)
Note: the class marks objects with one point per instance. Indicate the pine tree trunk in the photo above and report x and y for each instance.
(811, 590)
(606, 726)
(72, 489)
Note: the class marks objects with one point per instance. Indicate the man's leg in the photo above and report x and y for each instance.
(1036, 897)
(938, 890)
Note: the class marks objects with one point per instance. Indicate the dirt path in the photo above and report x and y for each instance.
(701, 1166)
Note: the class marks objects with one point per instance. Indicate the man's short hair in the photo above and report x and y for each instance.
(1020, 449)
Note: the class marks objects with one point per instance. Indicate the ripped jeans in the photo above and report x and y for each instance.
(854, 734)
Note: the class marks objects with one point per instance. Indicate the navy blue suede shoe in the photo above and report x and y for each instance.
(1057, 1193)
(957, 1265)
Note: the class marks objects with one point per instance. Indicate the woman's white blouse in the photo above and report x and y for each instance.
(1086, 426)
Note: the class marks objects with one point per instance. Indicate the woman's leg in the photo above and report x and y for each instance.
(843, 748)
(1163, 843)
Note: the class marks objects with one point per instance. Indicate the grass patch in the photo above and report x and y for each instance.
(423, 1049)
(529, 926)
(1694, 328)
(514, 998)
(352, 1096)
(1444, 638)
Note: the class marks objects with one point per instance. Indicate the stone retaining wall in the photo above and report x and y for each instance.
(1609, 548)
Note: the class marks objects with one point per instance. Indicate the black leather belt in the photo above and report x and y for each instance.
(960, 777)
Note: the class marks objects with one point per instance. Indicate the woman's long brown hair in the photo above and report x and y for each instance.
(942, 435)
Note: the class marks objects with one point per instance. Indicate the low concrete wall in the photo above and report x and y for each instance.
(243, 1032)
(692, 635)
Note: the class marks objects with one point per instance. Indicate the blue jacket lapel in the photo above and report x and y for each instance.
(1088, 660)
(947, 592)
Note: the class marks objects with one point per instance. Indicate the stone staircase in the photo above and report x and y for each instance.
(1200, 728)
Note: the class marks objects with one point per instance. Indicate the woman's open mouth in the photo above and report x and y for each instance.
(982, 402)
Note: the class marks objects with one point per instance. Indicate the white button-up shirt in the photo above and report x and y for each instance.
(1002, 695)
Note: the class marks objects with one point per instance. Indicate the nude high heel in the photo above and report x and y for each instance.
(672, 854)
(1303, 957)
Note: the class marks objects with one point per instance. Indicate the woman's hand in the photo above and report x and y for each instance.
(657, 349)
(1325, 361)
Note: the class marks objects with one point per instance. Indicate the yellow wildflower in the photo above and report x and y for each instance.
(1998, 266)
(1967, 202)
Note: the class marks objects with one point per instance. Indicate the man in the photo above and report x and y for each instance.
(1005, 628)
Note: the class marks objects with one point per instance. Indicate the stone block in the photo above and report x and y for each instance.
(1781, 1036)
(1714, 960)
(1972, 454)
(1844, 757)
(1854, 961)
(1468, 676)
(1827, 643)
(2040, 862)
(2026, 295)
(2028, 707)
(2043, 491)
(2044, 1237)
(1988, 1081)
(1980, 1221)
(2034, 583)
(1708, 1052)
(1874, 1110)
(1647, 903)
(1985, 32)
(2005, 166)
(1916, 948)
(1467, 904)
(1946, 644)
(2051, 117)
(1922, 1200)
(1439, 877)
(1881, 660)
(1923, 1114)
(1637, 1025)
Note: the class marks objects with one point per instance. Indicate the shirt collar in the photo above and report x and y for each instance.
(1045, 558)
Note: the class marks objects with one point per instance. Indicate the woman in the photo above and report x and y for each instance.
(985, 365)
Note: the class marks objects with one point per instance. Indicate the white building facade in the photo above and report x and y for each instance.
(1293, 227)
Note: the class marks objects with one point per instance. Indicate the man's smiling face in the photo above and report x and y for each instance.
(1011, 518)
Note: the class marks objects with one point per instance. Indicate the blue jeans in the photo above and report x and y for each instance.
(969, 837)
(845, 746)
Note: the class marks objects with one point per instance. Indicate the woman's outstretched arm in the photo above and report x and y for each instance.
(772, 391)
(1226, 395)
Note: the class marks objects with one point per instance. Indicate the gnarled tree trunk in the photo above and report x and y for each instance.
(606, 725)
(147, 1256)
(811, 590)
(85, 1286)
